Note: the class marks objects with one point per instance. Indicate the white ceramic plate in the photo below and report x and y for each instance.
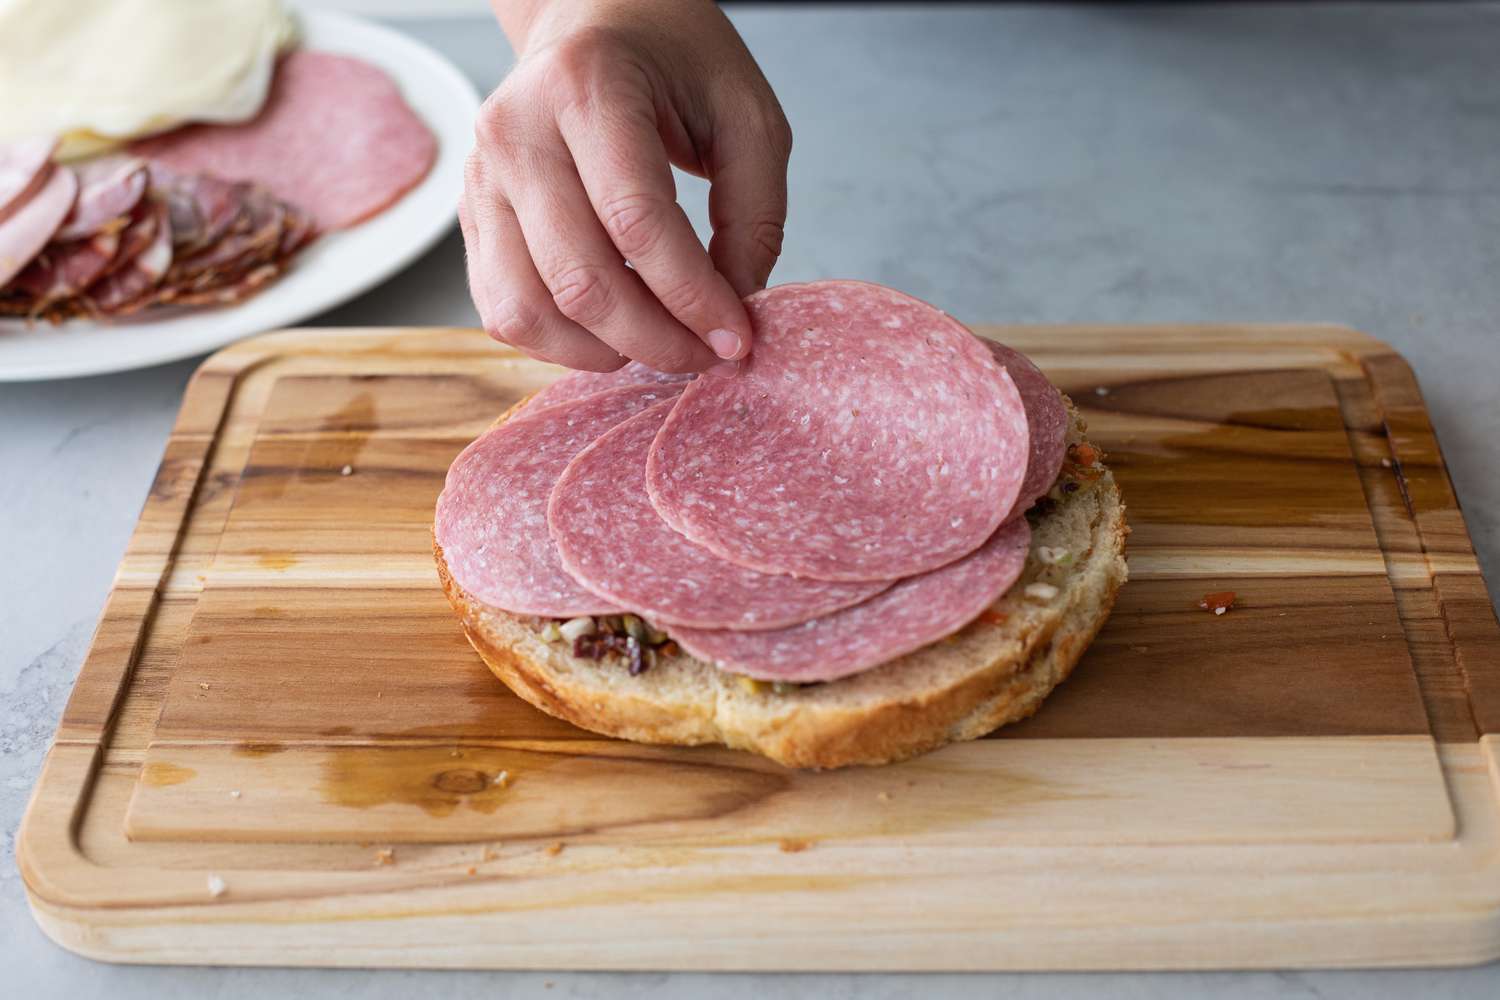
(334, 269)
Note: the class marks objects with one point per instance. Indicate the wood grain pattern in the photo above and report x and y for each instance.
(278, 695)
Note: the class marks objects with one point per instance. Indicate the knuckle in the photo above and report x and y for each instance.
(779, 135)
(766, 237)
(634, 223)
(517, 323)
(687, 297)
(582, 293)
(491, 124)
(573, 68)
(673, 357)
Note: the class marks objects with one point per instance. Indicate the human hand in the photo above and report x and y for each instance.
(571, 177)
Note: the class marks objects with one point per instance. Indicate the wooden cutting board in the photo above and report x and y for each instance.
(281, 750)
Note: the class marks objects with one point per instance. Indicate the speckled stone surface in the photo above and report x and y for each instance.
(1013, 164)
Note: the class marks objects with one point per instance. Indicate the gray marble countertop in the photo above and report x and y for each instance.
(1035, 165)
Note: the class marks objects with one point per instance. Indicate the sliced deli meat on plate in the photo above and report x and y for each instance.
(298, 231)
(136, 237)
(23, 168)
(30, 226)
(227, 289)
(108, 189)
(201, 208)
(254, 239)
(1047, 419)
(915, 612)
(612, 541)
(62, 270)
(578, 384)
(335, 138)
(491, 518)
(869, 436)
(133, 286)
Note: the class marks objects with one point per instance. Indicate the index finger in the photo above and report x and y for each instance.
(623, 164)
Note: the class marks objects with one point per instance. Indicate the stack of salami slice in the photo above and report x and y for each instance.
(118, 234)
(855, 493)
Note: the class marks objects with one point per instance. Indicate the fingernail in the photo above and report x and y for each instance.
(725, 369)
(726, 343)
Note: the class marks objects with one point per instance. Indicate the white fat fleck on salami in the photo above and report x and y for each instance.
(492, 515)
(612, 541)
(576, 385)
(915, 612)
(869, 436)
(1046, 417)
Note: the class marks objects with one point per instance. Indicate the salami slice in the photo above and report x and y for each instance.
(576, 385)
(1046, 417)
(30, 225)
(869, 436)
(613, 542)
(335, 138)
(915, 612)
(492, 516)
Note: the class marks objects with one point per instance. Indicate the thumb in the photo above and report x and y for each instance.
(747, 201)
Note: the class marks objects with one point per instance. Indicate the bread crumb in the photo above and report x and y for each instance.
(752, 684)
(487, 855)
(554, 849)
(217, 886)
(1385, 463)
(1140, 649)
(234, 793)
(883, 796)
(203, 685)
(472, 870)
(385, 856)
(455, 753)
(502, 780)
(793, 845)
(1102, 390)
(347, 470)
(1040, 592)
